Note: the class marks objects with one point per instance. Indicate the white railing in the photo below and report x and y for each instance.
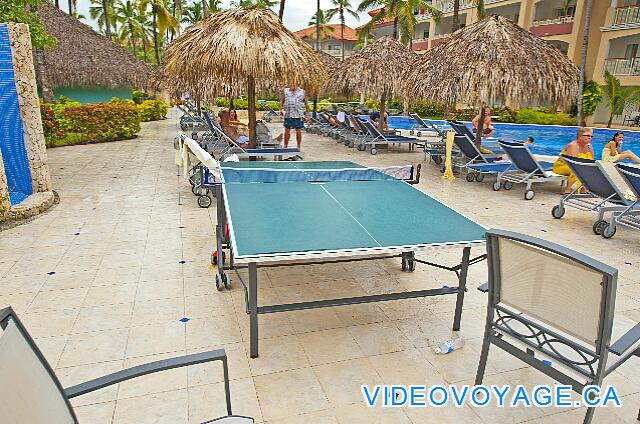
(626, 15)
(619, 66)
(446, 6)
(439, 36)
(553, 21)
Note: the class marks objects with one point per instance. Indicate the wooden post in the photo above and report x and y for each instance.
(381, 123)
(251, 89)
(480, 129)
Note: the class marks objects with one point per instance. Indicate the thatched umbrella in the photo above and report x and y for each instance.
(242, 50)
(375, 70)
(84, 58)
(330, 62)
(493, 61)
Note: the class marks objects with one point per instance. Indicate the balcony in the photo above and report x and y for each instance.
(621, 66)
(560, 25)
(420, 44)
(626, 15)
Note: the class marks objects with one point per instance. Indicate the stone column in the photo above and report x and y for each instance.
(26, 87)
(5, 204)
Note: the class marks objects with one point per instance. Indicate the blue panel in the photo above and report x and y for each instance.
(14, 153)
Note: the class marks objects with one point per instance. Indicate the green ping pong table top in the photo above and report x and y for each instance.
(285, 221)
(338, 164)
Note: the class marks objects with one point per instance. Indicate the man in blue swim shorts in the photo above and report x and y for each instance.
(294, 108)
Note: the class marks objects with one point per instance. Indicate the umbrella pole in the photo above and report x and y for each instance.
(252, 111)
(480, 129)
(383, 127)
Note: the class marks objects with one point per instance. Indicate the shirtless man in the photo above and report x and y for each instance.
(487, 128)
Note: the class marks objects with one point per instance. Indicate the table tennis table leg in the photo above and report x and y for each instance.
(253, 310)
(462, 286)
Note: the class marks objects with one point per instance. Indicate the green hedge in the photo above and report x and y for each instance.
(89, 123)
(241, 104)
(543, 117)
(152, 110)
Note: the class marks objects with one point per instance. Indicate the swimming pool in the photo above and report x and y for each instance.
(549, 139)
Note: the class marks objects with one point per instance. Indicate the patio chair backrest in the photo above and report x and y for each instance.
(373, 130)
(428, 125)
(461, 129)
(569, 293)
(595, 179)
(631, 175)
(521, 157)
(468, 148)
(29, 390)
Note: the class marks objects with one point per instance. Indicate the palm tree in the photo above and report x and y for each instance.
(281, 12)
(192, 14)
(340, 8)
(480, 11)
(325, 30)
(162, 20)
(259, 4)
(103, 12)
(387, 8)
(618, 97)
(585, 46)
(130, 27)
(406, 17)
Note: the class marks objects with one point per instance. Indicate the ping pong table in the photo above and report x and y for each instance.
(274, 214)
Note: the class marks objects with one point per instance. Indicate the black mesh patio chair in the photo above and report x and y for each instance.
(553, 303)
(30, 392)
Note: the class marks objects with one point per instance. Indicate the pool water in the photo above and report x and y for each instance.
(549, 139)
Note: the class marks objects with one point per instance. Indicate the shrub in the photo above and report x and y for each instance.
(466, 114)
(427, 109)
(152, 110)
(543, 117)
(51, 126)
(504, 114)
(242, 104)
(141, 96)
(103, 121)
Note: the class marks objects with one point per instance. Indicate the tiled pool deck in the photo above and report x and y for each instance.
(126, 220)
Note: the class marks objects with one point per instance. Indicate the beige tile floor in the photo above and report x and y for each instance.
(126, 220)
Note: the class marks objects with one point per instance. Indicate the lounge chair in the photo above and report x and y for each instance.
(190, 121)
(477, 164)
(526, 169)
(461, 129)
(435, 149)
(428, 126)
(31, 392)
(602, 194)
(630, 216)
(271, 113)
(226, 146)
(376, 138)
(552, 308)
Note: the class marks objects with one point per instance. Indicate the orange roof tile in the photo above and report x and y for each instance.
(350, 34)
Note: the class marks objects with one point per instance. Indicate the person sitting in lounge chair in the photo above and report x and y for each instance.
(374, 117)
(231, 130)
(580, 148)
(612, 151)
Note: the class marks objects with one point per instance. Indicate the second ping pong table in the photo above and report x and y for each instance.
(300, 213)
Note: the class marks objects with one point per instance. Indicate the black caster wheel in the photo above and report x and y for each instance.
(404, 264)
(529, 194)
(479, 177)
(608, 231)
(437, 160)
(508, 185)
(219, 283)
(361, 147)
(557, 211)
(226, 280)
(470, 177)
(419, 134)
(204, 201)
(412, 266)
(598, 227)
(374, 151)
(497, 186)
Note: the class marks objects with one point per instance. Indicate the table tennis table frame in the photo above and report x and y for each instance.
(405, 253)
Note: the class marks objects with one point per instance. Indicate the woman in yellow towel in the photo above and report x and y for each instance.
(581, 148)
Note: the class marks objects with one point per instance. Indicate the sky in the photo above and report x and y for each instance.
(297, 13)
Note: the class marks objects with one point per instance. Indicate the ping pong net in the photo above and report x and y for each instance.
(296, 175)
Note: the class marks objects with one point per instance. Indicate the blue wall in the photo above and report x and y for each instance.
(14, 153)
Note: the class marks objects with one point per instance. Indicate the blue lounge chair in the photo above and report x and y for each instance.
(376, 138)
(461, 129)
(435, 149)
(602, 196)
(477, 164)
(630, 216)
(271, 113)
(526, 169)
